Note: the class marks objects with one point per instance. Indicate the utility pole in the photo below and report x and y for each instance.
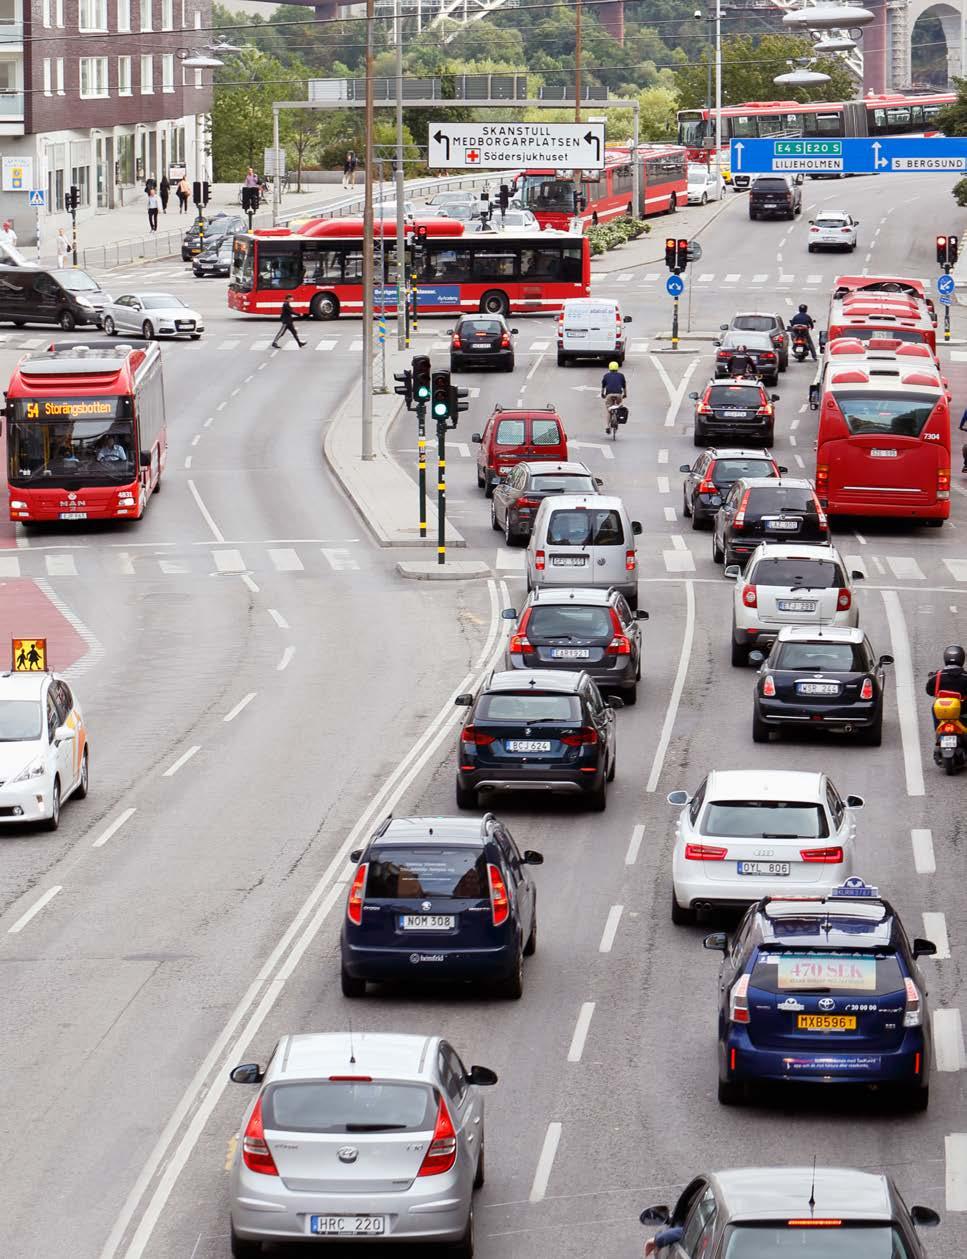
(577, 96)
(367, 416)
(400, 187)
(718, 98)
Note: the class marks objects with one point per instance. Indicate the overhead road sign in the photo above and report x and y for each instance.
(675, 285)
(850, 156)
(946, 284)
(478, 145)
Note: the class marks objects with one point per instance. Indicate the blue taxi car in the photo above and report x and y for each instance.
(825, 990)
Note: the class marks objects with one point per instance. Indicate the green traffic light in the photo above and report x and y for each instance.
(423, 392)
(441, 410)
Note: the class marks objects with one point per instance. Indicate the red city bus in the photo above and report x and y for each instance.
(865, 316)
(607, 193)
(886, 285)
(883, 447)
(86, 437)
(491, 273)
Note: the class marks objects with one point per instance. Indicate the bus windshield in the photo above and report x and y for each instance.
(545, 192)
(899, 415)
(97, 450)
(692, 128)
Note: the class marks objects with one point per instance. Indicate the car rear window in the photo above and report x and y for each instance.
(751, 340)
(831, 222)
(770, 185)
(725, 471)
(765, 819)
(545, 433)
(754, 323)
(567, 621)
(429, 870)
(483, 327)
(814, 574)
(764, 501)
(820, 657)
(894, 334)
(348, 1106)
(801, 970)
(903, 415)
(841, 1241)
(528, 707)
(585, 527)
(510, 433)
(20, 719)
(563, 484)
(734, 396)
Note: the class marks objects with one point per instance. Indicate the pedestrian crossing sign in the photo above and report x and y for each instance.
(29, 655)
(37, 198)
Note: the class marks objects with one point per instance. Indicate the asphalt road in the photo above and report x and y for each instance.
(207, 923)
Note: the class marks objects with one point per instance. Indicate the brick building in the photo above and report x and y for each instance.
(94, 94)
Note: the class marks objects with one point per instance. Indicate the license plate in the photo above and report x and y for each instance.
(826, 1022)
(733, 415)
(348, 1225)
(73, 515)
(785, 526)
(948, 740)
(185, 326)
(571, 333)
(763, 867)
(428, 922)
(883, 454)
(570, 653)
(568, 561)
(528, 745)
(817, 688)
(796, 605)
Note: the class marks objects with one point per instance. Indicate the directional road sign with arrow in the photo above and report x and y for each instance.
(482, 145)
(851, 156)
(946, 284)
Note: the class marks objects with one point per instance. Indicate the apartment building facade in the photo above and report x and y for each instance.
(94, 94)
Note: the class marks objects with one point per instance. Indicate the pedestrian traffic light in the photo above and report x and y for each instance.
(671, 250)
(457, 403)
(250, 199)
(952, 249)
(72, 199)
(440, 404)
(504, 197)
(421, 378)
(405, 386)
(681, 262)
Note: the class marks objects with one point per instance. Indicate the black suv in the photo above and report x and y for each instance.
(780, 195)
(519, 493)
(446, 898)
(734, 408)
(217, 226)
(593, 630)
(713, 474)
(537, 730)
(759, 510)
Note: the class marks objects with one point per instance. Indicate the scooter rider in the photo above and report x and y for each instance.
(803, 322)
(952, 677)
(741, 363)
(614, 390)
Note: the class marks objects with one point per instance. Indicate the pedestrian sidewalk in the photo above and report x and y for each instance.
(691, 221)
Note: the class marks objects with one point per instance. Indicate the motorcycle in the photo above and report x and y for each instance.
(800, 347)
(950, 748)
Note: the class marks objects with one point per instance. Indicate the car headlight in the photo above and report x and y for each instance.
(84, 301)
(33, 769)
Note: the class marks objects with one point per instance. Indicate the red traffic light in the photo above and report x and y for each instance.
(682, 261)
(942, 249)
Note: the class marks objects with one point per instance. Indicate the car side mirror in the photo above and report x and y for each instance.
(514, 332)
(614, 701)
(924, 948)
(598, 481)
(924, 1217)
(464, 701)
(475, 437)
(482, 1076)
(856, 222)
(811, 222)
(783, 469)
(885, 660)
(773, 397)
(756, 657)
(246, 1073)
(636, 528)
(733, 571)
(64, 734)
(641, 614)
(685, 467)
(716, 342)
(656, 1215)
(680, 798)
(509, 614)
(724, 327)
(449, 332)
(694, 398)
(532, 858)
(627, 319)
(855, 802)
(355, 855)
(717, 942)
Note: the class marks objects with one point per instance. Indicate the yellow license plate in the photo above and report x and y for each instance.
(826, 1022)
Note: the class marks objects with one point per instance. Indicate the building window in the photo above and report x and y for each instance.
(124, 76)
(60, 76)
(58, 12)
(47, 78)
(167, 15)
(93, 77)
(146, 15)
(124, 15)
(92, 15)
(167, 72)
(147, 75)
(46, 12)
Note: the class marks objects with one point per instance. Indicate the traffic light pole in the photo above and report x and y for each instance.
(74, 231)
(675, 321)
(441, 498)
(946, 309)
(421, 456)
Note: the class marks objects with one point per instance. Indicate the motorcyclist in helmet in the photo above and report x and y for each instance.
(741, 363)
(803, 322)
(952, 677)
(614, 390)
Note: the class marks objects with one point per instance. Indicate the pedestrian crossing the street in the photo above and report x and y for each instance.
(146, 563)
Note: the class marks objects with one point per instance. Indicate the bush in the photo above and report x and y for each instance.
(610, 235)
(960, 191)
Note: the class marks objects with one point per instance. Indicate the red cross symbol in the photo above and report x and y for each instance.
(473, 156)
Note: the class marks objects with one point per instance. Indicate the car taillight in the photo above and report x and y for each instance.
(739, 521)
(256, 1154)
(724, 354)
(357, 894)
(765, 409)
(704, 409)
(846, 229)
(499, 902)
(739, 1000)
(943, 482)
(866, 690)
(769, 686)
(441, 1153)
(539, 559)
(844, 600)
(777, 338)
(767, 355)
(519, 642)
(585, 737)
(528, 502)
(821, 516)
(822, 856)
(620, 644)
(813, 229)
(505, 342)
(630, 561)
(749, 597)
(707, 485)
(471, 735)
(456, 343)
(913, 1014)
(704, 852)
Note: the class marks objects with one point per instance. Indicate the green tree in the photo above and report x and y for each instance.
(749, 66)
(245, 90)
(952, 119)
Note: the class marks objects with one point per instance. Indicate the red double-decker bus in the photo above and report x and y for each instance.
(321, 269)
(609, 192)
(86, 436)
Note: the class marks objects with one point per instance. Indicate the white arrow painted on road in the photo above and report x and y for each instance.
(604, 449)
(584, 389)
(877, 160)
(738, 156)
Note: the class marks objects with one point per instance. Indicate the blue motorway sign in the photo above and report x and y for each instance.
(945, 284)
(675, 285)
(849, 156)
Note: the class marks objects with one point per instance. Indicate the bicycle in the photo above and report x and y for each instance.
(617, 415)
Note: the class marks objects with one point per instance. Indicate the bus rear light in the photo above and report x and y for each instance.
(866, 690)
(739, 1000)
(822, 478)
(844, 600)
(943, 482)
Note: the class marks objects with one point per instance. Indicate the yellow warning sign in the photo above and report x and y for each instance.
(29, 655)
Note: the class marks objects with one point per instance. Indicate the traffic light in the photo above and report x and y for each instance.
(457, 403)
(504, 197)
(200, 192)
(421, 378)
(72, 199)
(942, 250)
(419, 240)
(681, 261)
(405, 387)
(952, 249)
(671, 250)
(440, 404)
(250, 199)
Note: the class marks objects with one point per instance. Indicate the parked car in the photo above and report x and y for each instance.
(517, 435)
(482, 340)
(584, 540)
(518, 495)
(701, 184)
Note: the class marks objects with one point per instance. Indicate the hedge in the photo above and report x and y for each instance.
(610, 235)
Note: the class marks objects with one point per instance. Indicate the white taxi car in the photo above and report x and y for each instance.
(751, 833)
(833, 229)
(44, 751)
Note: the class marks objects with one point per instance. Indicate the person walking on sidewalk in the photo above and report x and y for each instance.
(63, 249)
(287, 323)
(165, 193)
(349, 170)
(8, 235)
(154, 201)
(184, 192)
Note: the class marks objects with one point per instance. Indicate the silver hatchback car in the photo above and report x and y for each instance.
(374, 1136)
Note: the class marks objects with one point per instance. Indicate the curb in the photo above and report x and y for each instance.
(455, 570)
(722, 206)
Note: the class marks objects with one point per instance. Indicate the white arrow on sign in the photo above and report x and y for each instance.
(877, 160)
(738, 155)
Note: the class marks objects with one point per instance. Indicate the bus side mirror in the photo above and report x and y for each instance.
(145, 458)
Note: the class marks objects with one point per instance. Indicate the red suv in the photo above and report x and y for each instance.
(511, 437)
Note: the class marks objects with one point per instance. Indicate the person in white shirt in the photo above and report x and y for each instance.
(63, 249)
(8, 234)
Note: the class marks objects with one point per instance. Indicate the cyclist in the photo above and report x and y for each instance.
(614, 390)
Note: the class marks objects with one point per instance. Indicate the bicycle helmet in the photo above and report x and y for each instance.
(954, 657)
(612, 366)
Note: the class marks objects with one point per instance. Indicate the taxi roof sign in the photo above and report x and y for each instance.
(29, 655)
(855, 888)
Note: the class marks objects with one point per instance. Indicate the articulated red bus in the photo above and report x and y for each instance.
(608, 193)
(321, 268)
(86, 436)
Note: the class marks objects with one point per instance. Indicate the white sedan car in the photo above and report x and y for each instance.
(152, 315)
(44, 752)
(701, 184)
(833, 229)
(751, 833)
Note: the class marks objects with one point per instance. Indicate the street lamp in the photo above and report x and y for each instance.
(716, 17)
(834, 42)
(802, 76)
(823, 16)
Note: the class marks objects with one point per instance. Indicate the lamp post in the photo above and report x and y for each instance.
(716, 17)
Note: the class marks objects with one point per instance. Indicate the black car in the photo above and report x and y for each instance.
(761, 321)
(779, 195)
(482, 340)
(215, 259)
(758, 346)
(518, 494)
(829, 678)
(440, 898)
(537, 730)
(760, 510)
(734, 408)
(593, 630)
(709, 479)
(216, 226)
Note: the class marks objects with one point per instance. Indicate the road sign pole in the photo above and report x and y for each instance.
(674, 323)
(441, 500)
(421, 456)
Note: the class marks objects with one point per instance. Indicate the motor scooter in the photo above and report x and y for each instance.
(800, 347)
(950, 747)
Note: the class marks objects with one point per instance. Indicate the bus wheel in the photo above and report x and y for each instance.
(494, 303)
(324, 306)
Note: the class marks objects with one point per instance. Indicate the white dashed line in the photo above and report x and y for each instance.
(610, 928)
(637, 835)
(545, 1162)
(671, 515)
(216, 532)
(907, 693)
(242, 703)
(955, 1149)
(580, 1032)
(663, 485)
(34, 909)
(663, 456)
(182, 760)
(923, 858)
(286, 657)
(948, 1040)
(113, 828)
(196, 439)
(250, 583)
(278, 618)
(935, 929)
(187, 461)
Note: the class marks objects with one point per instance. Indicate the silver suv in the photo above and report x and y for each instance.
(372, 1136)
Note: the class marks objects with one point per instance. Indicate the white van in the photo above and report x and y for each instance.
(584, 540)
(591, 327)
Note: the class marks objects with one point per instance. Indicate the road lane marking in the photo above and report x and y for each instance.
(34, 909)
(242, 703)
(229, 561)
(958, 569)
(249, 582)
(671, 713)
(663, 485)
(285, 560)
(670, 515)
(286, 657)
(196, 439)
(535, 365)
(637, 834)
(60, 566)
(905, 568)
(216, 532)
(948, 1040)
(187, 461)
(955, 1150)
(113, 828)
(278, 618)
(610, 928)
(924, 861)
(935, 929)
(856, 563)
(9, 566)
(182, 760)
(580, 1032)
(879, 565)
(675, 394)
(546, 1161)
(799, 459)
(906, 693)
(125, 564)
(663, 456)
